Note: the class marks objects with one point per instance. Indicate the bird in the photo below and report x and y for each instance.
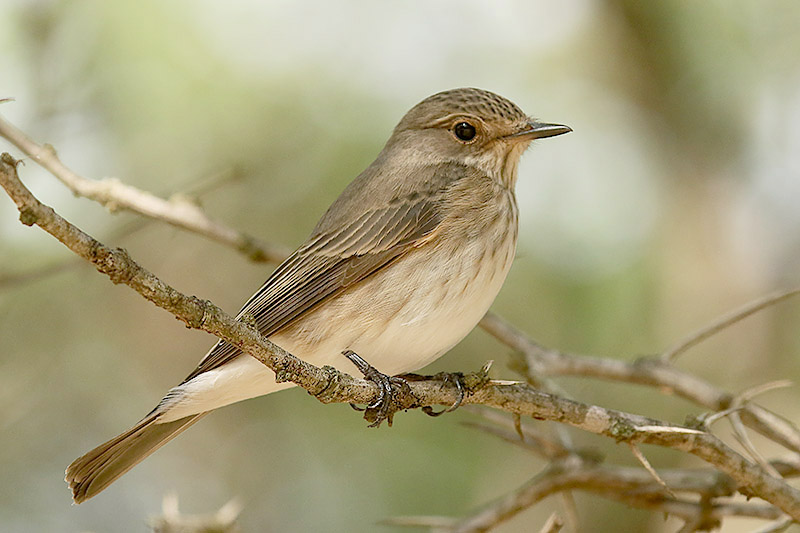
(400, 268)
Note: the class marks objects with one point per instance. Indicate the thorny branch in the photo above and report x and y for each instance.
(705, 501)
(536, 362)
(569, 468)
(632, 486)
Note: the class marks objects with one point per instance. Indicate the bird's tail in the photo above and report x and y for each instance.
(96, 470)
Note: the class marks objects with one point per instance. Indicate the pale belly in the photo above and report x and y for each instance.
(399, 320)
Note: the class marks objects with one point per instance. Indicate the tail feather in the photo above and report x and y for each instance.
(90, 474)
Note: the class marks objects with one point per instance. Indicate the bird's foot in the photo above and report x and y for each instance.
(448, 378)
(457, 378)
(391, 390)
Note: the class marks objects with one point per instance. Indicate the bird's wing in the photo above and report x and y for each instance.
(330, 262)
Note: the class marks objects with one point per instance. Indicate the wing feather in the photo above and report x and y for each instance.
(329, 263)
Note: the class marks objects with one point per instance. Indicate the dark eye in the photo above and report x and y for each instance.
(464, 131)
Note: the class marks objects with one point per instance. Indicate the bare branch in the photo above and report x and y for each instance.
(653, 372)
(534, 443)
(541, 361)
(512, 430)
(738, 427)
(707, 484)
(748, 394)
(41, 272)
(632, 486)
(178, 211)
(772, 426)
(743, 439)
(726, 321)
(15, 279)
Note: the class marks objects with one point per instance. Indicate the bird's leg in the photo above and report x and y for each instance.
(384, 407)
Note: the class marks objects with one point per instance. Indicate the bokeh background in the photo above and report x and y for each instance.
(677, 198)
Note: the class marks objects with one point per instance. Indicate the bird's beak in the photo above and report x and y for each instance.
(539, 130)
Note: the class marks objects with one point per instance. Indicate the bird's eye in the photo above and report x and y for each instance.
(464, 131)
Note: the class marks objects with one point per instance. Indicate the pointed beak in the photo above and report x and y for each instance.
(539, 130)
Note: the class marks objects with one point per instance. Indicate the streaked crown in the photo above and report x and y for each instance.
(468, 101)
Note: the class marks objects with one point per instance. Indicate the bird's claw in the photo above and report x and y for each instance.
(456, 378)
(384, 407)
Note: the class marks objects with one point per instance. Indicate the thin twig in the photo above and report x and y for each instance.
(749, 394)
(743, 438)
(632, 486)
(38, 273)
(711, 419)
(652, 372)
(726, 321)
(708, 484)
(738, 427)
(178, 211)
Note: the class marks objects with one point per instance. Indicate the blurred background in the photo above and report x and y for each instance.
(676, 199)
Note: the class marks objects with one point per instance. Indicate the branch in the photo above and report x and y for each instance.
(538, 361)
(706, 483)
(329, 385)
(503, 428)
(633, 486)
(726, 321)
(33, 274)
(178, 211)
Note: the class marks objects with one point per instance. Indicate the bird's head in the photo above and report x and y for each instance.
(470, 126)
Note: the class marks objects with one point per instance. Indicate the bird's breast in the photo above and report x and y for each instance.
(420, 306)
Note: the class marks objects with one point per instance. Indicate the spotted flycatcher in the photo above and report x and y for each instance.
(399, 269)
